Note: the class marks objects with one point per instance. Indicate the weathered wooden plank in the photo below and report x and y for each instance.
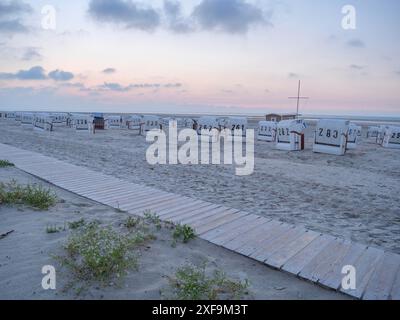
(334, 277)
(272, 229)
(365, 266)
(207, 216)
(225, 238)
(380, 285)
(212, 209)
(228, 228)
(276, 244)
(210, 218)
(146, 201)
(324, 262)
(218, 222)
(194, 211)
(173, 199)
(185, 207)
(121, 194)
(280, 257)
(300, 260)
(245, 238)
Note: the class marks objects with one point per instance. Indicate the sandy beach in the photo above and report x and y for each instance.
(29, 247)
(354, 197)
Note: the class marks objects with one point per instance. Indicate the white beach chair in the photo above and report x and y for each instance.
(43, 122)
(27, 120)
(134, 124)
(331, 137)
(392, 138)
(83, 124)
(267, 131)
(235, 124)
(208, 129)
(290, 135)
(113, 122)
(354, 136)
(151, 123)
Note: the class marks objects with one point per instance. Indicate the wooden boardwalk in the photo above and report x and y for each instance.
(309, 255)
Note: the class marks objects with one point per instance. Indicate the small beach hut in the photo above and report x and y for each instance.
(330, 136)
(83, 123)
(267, 131)
(27, 119)
(151, 123)
(354, 136)
(290, 135)
(392, 138)
(59, 119)
(235, 124)
(135, 123)
(113, 122)
(42, 122)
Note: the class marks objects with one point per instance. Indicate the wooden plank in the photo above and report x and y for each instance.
(174, 199)
(228, 228)
(207, 216)
(272, 229)
(302, 258)
(333, 279)
(279, 258)
(211, 209)
(185, 207)
(245, 238)
(121, 194)
(148, 200)
(217, 223)
(324, 262)
(192, 212)
(211, 219)
(278, 243)
(365, 266)
(380, 285)
(225, 238)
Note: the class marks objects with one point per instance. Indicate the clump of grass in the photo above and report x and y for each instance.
(97, 253)
(131, 222)
(184, 233)
(76, 224)
(5, 163)
(153, 219)
(192, 283)
(33, 195)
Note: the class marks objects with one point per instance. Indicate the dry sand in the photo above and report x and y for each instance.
(356, 197)
(29, 247)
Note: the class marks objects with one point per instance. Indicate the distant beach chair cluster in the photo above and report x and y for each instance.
(331, 136)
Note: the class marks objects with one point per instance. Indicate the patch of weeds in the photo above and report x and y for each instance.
(33, 195)
(192, 283)
(5, 163)
(184, 233)
(153, 219)
(76, 224)
(131, 222)
(98, 253)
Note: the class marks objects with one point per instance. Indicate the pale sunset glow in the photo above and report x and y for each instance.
(200, 56)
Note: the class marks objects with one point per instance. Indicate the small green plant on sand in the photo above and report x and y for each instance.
(152, 218)
(76, 224)
(192, 283)
(33, 195)
(5, 163)
(97, 253)
(184, 233)
(131, 222)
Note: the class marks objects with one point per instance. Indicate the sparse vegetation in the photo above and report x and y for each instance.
(97, 253)
(33, 195)
(192, 283)
(184, 233)
(131, 222)
(5, 163)
(76, 224)
(153, 219)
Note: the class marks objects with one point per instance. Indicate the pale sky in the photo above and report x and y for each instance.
(200, 56)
